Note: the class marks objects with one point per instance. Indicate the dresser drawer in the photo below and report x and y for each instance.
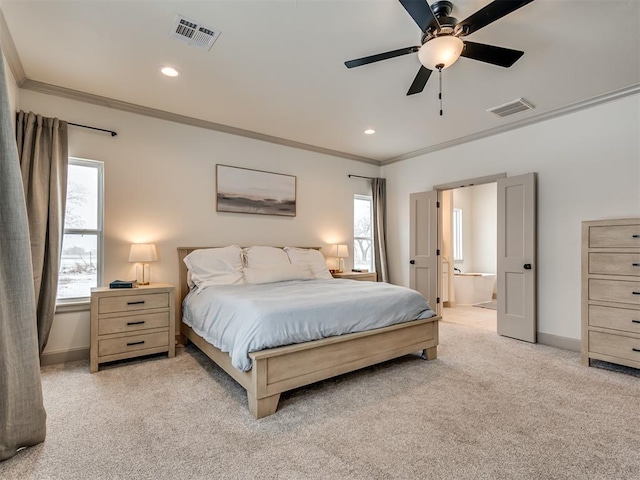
(132, 343)
(615, 263)
(622, 319)
(130, 303)
(615, 345)
(614, 236)
(614, 291)
(131, 323)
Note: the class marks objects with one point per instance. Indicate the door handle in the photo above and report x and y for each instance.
(527, 266)
(412, 262)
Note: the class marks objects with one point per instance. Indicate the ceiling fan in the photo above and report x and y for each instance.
(441, 38)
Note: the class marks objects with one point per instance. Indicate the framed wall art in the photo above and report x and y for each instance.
(242, 190)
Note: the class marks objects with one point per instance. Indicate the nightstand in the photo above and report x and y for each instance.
(364, 276)
(131, 322)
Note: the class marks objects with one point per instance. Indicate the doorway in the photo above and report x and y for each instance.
(469, 255)
(516, 250)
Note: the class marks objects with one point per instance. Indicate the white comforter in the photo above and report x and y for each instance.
(246, 318)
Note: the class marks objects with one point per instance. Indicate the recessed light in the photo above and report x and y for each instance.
(369, 131)
(169, 71)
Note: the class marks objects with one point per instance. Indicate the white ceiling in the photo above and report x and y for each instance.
(277, 69)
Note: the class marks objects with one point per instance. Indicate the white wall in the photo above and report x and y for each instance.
(160, 188)
(588, 166)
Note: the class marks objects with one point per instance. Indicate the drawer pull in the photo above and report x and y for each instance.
(135, 343)
(636, 349)
(635, 264)
(636, 293)
(136, 323)
(635, 321)
(635, 236)
(139, 302)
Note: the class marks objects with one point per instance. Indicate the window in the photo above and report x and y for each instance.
(457, 235)
(362, 233)
(81, 261)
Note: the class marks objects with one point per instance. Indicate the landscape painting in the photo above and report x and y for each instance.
(241, 190)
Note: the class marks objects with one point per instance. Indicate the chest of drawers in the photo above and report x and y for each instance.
(127, 323)
(611, 291)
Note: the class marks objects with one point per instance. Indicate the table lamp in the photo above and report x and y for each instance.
(342, 252)
(143, 253)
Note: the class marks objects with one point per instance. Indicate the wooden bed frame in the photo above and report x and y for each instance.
(278, 370)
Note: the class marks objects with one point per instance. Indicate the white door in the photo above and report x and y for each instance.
(517, 257)
(423, 246)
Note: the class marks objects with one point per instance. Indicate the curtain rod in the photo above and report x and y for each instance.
(113, 134)
(359, 176)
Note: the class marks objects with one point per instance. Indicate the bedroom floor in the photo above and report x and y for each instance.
(470, 316)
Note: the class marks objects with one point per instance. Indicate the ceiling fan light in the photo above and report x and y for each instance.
(443, 50)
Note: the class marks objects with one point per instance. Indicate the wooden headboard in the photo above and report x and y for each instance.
(183, 288)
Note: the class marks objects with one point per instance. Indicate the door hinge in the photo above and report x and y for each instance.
(437, 299)
(437, 204)
(437, 252)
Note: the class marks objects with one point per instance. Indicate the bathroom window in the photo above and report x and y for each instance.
(457, 235)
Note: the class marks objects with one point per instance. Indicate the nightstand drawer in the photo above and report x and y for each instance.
(622, 319)
(130, 303)
(615, 345)
(614, 291)
(614, 236)
(132, 323)
(615, 263)
(132, 343)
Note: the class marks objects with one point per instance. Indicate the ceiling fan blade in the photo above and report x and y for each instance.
(421, 13)
(420, 81)
(380, 56)
(489, 14)
(503, 57)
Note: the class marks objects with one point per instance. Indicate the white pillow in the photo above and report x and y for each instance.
(278, 273)
(265, 257)
(215, 266)
(311, 257)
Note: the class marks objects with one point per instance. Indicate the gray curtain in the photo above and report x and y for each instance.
(22, 415)
(43, 152)
(379, 197)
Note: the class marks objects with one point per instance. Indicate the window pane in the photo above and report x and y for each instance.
(361, 218)
(78, 266)
(457, 234)
(82, 198)
(362, 253)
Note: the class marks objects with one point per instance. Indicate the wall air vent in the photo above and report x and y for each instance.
(519, 105)
(193, 33)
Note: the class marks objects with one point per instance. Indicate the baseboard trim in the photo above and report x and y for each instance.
(565, 343)
(53, 358)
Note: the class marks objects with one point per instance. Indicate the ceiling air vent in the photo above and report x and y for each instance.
(193, 33)
(519, 105)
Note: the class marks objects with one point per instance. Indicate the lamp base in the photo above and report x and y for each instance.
(143, 273)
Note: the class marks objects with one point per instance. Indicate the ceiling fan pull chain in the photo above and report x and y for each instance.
(439, 67)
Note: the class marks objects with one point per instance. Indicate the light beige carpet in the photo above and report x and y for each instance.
(487, 408)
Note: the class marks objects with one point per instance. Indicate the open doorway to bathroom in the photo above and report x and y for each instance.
(469, 255)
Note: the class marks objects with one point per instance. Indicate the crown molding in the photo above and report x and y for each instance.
(11, 54)
(557, 112)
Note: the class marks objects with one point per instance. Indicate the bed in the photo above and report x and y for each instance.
(283, 368)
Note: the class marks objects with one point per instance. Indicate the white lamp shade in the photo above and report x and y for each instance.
(143, 252)
(342, 251)
(443, 50)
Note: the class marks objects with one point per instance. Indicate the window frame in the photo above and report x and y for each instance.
(98, 231)
(369, 199)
